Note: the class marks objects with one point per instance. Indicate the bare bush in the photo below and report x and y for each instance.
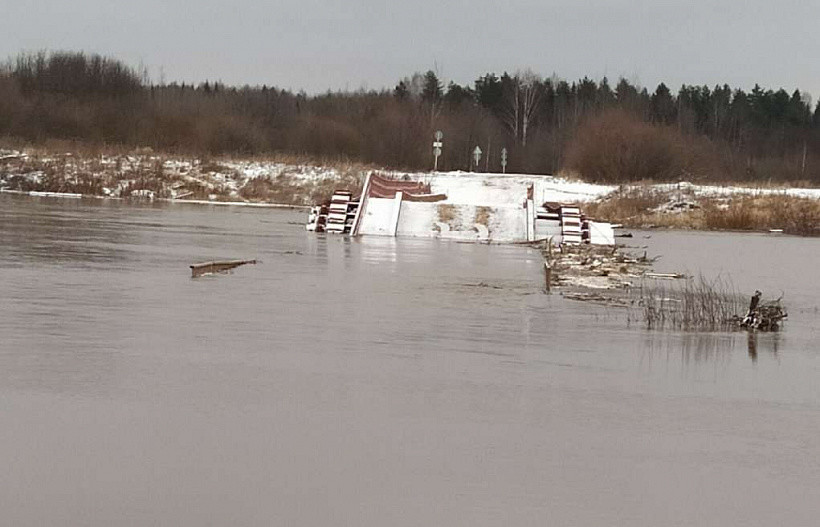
(617, 147)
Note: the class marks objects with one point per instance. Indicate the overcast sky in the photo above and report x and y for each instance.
(318, 45)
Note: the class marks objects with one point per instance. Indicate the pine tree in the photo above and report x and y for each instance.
(662, 107)
(488, 91)
(606, 97)
(816, 119)
(401, 91)
(457, 94)
(432, 91)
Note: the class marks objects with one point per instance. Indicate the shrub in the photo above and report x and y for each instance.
(616, 147)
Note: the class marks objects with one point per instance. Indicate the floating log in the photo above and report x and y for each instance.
(217, 266)
(665, 276)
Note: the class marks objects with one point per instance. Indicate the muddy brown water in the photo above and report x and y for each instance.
(381, 381)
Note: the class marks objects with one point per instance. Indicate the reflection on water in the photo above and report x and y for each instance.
(752, 343)
(716, 347)
(770, 343)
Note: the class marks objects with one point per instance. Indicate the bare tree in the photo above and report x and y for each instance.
(529, 85)
(522, 96)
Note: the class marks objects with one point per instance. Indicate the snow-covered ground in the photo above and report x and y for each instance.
(152, 176)
(259, 181)
(500, 190)
(716, 191)
(494, 190)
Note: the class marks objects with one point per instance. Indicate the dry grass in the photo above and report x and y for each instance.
(628, 205)
(282, 189)
(447, 214)
(209, 165)
(792, 214)
(322, 190)
(88, 174)
(690, 305)
(636, 207)
(289, 190)
(482, 215)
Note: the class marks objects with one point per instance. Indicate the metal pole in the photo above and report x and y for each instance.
(803, 166)
(547, 276)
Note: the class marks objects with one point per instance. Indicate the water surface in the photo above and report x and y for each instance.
(380, 381)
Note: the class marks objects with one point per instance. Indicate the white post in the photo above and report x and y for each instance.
(354, 230)
(394, 220)
(530, 220)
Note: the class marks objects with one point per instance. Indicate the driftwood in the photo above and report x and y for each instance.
(217, 267)
(664, 276)
(764, 317)
(590, 266)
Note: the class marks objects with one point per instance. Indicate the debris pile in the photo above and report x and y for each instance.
(593, 266)
(763, 317)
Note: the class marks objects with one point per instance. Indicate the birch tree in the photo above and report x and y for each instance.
(529, 84)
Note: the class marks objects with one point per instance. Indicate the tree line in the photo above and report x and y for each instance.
(547, 124)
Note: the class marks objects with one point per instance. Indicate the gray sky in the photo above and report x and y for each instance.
(334, 44)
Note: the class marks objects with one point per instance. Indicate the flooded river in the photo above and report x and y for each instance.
(383, 382)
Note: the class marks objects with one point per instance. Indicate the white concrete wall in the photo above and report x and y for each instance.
(423, 219)
(504, 195)
(417, 219)
(548, 229)
(377, 217)
(510, 190)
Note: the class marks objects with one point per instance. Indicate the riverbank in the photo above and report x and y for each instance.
(293, 181)
(147, 175)
(710, 208)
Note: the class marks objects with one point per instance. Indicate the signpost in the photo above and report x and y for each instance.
(477, 156)
(504, 160)
(437, 145)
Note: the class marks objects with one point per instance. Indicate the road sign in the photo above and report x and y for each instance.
(437, 146)
(477, 155)
(504, 160)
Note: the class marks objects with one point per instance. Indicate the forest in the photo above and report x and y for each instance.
(590, 128)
